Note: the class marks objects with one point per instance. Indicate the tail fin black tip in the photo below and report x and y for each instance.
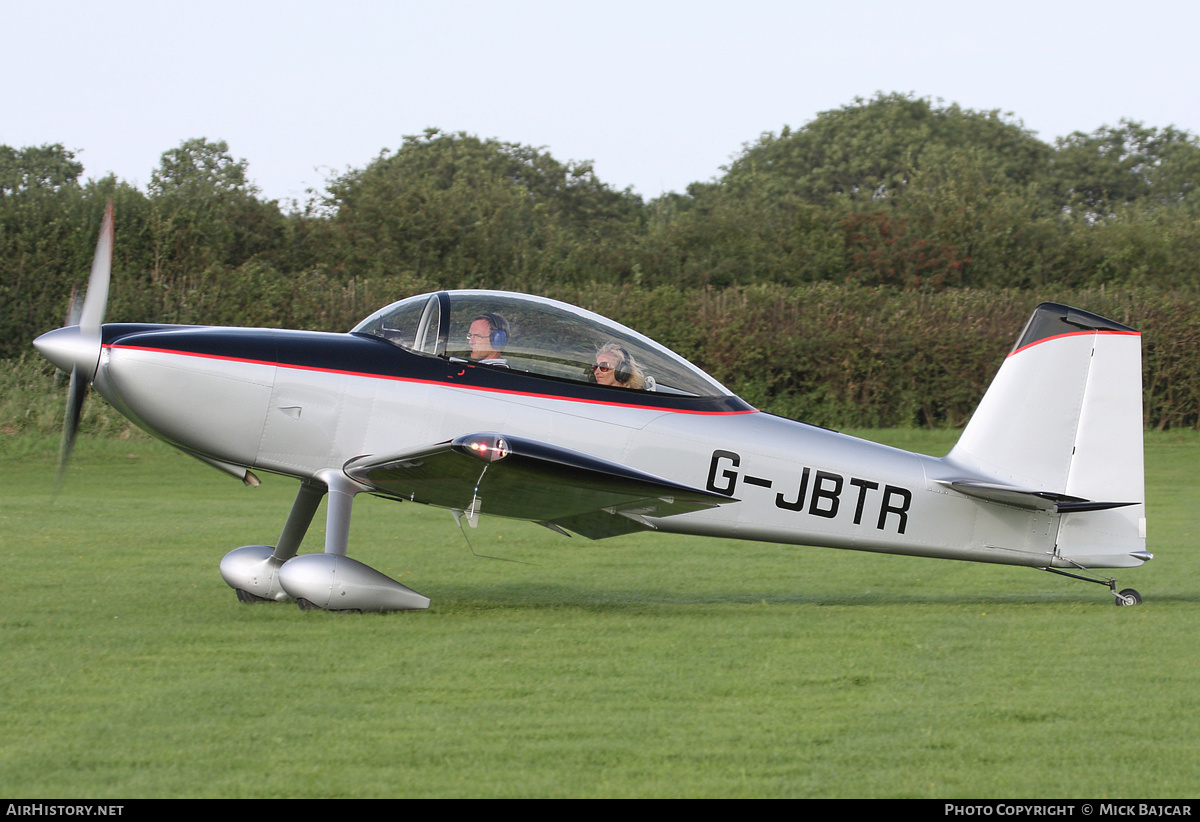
(1053, 320)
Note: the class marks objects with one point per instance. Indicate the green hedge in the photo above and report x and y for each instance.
(861, 357)
(838, 356)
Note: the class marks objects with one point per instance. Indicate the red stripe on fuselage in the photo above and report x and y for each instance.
(421, 382)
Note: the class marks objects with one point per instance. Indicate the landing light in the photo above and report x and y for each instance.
(485, 447)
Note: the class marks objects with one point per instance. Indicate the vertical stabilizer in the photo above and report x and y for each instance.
(1063, 418)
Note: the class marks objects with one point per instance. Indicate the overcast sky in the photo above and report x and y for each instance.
(657, 94)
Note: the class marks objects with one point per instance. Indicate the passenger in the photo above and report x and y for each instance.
(615, 366)
(487, 337)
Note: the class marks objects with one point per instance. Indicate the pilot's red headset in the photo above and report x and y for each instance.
(499, 326)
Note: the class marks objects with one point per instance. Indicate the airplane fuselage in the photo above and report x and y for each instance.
(301, 403)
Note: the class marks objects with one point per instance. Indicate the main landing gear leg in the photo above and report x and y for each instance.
(253, 570)
(301, 517)
(1128, 596)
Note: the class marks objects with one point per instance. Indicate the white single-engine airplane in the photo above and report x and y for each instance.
(524, 407)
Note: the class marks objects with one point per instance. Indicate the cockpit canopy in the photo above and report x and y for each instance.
(542, 337)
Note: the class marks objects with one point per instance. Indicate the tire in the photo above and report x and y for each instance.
(1129, 597)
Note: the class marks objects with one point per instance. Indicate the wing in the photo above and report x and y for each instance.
(526, 479)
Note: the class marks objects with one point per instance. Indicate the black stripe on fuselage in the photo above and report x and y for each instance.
(369, 356)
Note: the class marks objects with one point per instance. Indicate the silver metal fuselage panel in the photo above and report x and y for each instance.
(209, 406)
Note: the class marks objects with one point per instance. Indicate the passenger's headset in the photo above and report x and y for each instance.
(499, 326)
(624, 370)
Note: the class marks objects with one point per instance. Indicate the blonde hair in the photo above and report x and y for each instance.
(637, 378)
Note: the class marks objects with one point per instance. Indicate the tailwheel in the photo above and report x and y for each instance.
(1128, 597)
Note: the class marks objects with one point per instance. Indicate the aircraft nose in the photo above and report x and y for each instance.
(69, 348)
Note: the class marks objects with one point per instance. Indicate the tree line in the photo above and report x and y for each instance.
(893, 198)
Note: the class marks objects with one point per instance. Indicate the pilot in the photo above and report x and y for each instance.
(487, 336)
(615, 366)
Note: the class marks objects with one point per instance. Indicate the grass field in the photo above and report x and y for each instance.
(640, 666)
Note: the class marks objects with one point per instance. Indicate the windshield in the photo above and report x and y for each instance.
(538, 336)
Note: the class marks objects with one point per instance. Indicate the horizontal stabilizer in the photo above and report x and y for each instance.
(526, 479)
(1026, 498)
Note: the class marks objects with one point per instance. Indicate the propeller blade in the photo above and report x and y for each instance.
(76, 391)
(76, 346)
(91, 316)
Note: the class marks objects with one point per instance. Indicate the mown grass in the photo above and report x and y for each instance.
(639, 666)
